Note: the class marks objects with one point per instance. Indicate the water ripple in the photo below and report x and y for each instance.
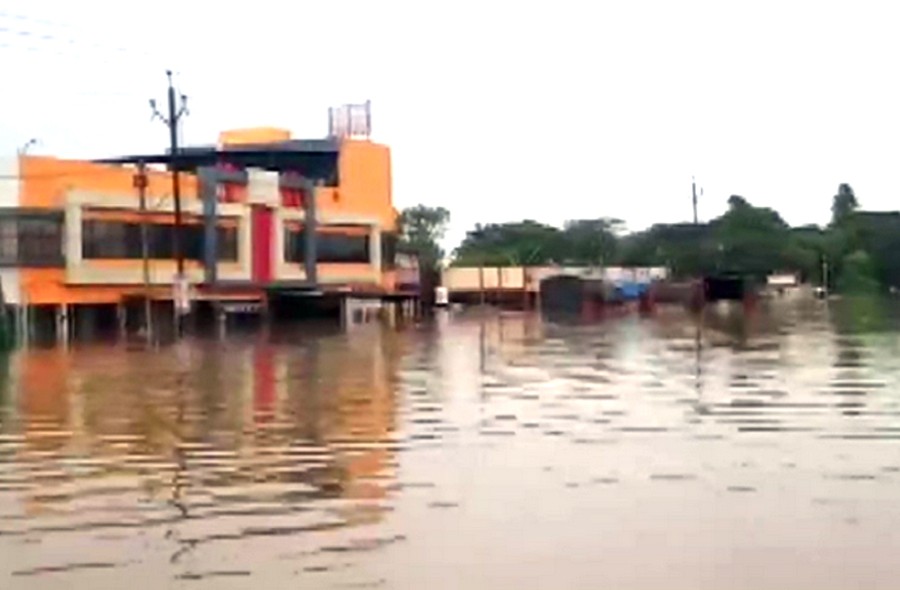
(448, 450)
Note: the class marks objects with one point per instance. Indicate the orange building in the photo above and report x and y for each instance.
(74, 233)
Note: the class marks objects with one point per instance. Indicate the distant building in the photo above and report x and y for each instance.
(407, 272)
(520, 285)
(783, 280)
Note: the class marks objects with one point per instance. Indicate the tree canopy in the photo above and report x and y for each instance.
(857, 247)
(421, 230)
(528, 242)
(843, 205)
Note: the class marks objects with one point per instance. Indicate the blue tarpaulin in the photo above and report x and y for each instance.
(629, 291)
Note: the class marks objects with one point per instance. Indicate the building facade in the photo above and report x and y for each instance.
(261, 213)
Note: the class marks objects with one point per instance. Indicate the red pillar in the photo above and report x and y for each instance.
(263, 231)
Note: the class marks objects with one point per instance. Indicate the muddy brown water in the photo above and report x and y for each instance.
(474, 451)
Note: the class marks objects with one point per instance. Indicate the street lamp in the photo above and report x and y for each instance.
(31, 142)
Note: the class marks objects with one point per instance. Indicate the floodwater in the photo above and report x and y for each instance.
(476, 451)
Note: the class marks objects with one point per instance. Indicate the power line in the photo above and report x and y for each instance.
(20, 27)
(28, 20)
(68, 41)
(31, 19)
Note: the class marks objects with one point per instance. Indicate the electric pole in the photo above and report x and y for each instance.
(694, 192)
(180, 300)
(171, 121)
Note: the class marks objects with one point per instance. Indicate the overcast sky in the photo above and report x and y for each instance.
(495, 110)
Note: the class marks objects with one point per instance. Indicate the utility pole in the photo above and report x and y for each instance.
(174, 116)
(140, 181)
(694, 192)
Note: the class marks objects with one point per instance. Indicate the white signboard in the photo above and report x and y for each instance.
(641, 275)
(181, 294)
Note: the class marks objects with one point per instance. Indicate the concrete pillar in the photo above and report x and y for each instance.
(122, 318)
(84, 321)
(208, 181)
(349, 309)
(265, 329)
(310, 234)
(265, 311)
(62, 324)
(481, 284)
(375, 249)
(29, 324)
(21, 325)
(345, 313)
(176, 320)
(221, 321)
(391, 312)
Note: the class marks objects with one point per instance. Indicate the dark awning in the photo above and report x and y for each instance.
(316, 159)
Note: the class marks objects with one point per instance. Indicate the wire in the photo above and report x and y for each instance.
(37, 21)
(45, 37)
(20, 32)
(56, 45)
(52, 44)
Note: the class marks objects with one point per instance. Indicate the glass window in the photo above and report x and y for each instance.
(388, 250)
(9, 241)
(104, 239)
(123, 240)
(342, 248)
(39, 241)
(227, 243)
(331, 246)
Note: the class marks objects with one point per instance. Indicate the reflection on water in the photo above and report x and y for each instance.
(720, 451)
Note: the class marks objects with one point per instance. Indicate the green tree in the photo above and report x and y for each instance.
(878, 234)
(737, 203)
(421, 230)
(843, 205)
(591, 241)
(687, 249)
(639, 249)
(858, 247)
(805, 251)
(510, 244)
(751, 240)
(858, 274)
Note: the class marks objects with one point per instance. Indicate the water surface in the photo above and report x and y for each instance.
(475, 451)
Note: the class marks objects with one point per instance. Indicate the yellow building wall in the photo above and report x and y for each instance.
(45, 181)
(254, 135)
(365, 184)
(364, 169)
(47, 286)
